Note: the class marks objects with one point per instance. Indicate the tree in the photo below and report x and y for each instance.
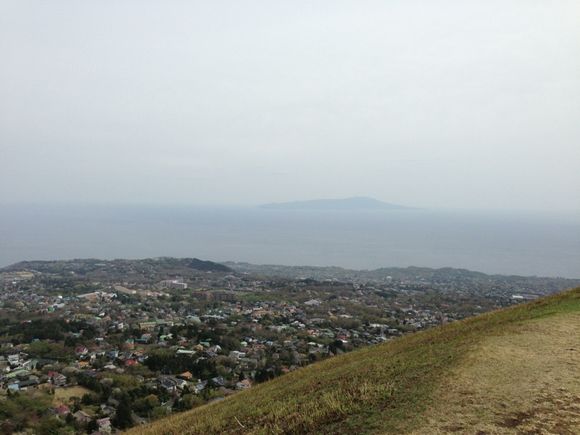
(92, 426)
(188, 401)
(90, 399)
(144, 405)
(50, 426)
(123, 417)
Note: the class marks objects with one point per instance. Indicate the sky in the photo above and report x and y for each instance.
(439, 103)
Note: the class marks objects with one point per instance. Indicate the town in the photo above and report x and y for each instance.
(94, 346)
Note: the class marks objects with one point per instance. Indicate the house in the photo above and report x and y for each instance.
(237, 354)
(14, 360)
(173, 283)
(200, 386)
(82, 417)
(57, 379)
(104, 425)
(217, 348)
(62, 410)
(218, 381)
(243, 385)
(186, 375)
(81, 350)
(30, 382)
(147, 326)
(130, 344)
(210, 354)
(168, 383)
(145, 338)
(107, 410)
(29, 365)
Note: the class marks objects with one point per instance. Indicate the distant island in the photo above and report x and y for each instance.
(354, 203)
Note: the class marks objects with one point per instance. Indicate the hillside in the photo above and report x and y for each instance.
(355, 203)
(470, 281)
(510, 371)
(91, 266)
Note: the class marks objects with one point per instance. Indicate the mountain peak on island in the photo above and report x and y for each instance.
(353, 203)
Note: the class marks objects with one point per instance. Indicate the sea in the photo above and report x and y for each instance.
(522, 243)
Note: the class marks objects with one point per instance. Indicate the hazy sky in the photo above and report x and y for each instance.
(429, 103)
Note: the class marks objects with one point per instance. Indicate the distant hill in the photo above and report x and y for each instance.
(143, 266)
(355, 203)
(469, 280)
(509, 371)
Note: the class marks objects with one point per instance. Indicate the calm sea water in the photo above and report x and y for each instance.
(506, 243)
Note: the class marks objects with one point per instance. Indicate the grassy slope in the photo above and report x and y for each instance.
(388, 388)
(526, 382)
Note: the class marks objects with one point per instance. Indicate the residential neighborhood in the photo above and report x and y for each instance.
(90, 346)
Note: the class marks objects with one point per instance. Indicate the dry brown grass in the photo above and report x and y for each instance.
(526, 381)
(63, 395)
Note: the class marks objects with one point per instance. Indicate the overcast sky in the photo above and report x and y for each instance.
(426, 103)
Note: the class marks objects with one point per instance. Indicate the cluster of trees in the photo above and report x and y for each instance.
(49, 350)
(68, 286)
(168, 363)
(130, 395)
(24, 412)
(47, 329)
(215, 334)
(133, 398)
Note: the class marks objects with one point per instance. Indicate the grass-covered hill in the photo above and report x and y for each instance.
(511, 371)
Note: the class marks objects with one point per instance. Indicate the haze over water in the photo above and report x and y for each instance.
(505, 243)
